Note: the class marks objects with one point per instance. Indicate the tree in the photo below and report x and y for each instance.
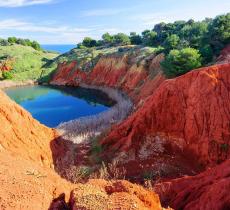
(149, 38)
(35, 45)
(4, 42)
(12, 40)
(171, 42)
(21, 41)
(219, 32)
(179, 62)
(135, 38)
(89, 42)
(107, 38)
(206, 54)
(121, 39)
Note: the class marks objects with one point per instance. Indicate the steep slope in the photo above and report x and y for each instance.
(27, 154)
(135, 71)
(26, 178)
(180, 126)
(191, 111)
(208, 190)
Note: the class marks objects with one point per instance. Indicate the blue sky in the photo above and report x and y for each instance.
(68, 21)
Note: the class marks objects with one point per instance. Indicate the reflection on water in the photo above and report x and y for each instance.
(53, 105)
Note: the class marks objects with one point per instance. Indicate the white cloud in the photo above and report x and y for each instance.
(150, 19)
(17, 25)
(102, 12)
(21, 3)
(51, 32)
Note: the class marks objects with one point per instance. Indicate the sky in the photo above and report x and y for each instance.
(69, 21)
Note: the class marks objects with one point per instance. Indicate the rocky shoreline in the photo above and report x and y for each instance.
(10, 83)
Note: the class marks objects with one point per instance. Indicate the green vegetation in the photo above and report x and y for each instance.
(202, 40)
(7, 75)
(179, 62)
(26, 62)
(186, 45)
(24, 42)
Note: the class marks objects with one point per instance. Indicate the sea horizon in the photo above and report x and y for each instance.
(60, 48)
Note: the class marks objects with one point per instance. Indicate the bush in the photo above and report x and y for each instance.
(89, 42)
(179, 62)
(122, 39)
(7, 75)
(135, 38)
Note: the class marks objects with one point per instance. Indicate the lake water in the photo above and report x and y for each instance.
(58, 48)
(52, 105)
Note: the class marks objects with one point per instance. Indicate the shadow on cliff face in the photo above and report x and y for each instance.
(63, 154)
(59, 203)
(156, 159)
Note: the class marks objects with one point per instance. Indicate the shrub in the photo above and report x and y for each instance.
(122, 39)
(179, 62)
(7, 75)
(89, 42)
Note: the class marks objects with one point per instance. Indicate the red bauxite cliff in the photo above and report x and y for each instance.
(208, 190)
(138, 81)
(28, 181)
(26, 178)
(188, 115)
(192, 111)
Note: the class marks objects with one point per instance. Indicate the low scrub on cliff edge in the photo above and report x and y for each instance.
(179, 62)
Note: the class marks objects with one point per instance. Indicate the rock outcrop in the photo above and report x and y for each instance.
(111, 195)
(120, 72)
(175, 120)
(26, 178)
(27, 154)
(186, 118)
(191, 111)
(208, 190)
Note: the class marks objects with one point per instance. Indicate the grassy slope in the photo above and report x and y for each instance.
(28, 63)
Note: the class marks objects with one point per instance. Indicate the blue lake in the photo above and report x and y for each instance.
(52, 105)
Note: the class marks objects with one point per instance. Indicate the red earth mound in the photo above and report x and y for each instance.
(26, 178)
(191, 111)
(28, 181)
(111, 195)
(181, 119)
(208, 190)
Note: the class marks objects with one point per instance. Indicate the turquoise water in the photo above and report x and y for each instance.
(58, 48)
(53, 105)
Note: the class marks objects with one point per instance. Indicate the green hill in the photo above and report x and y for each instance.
(26, 62)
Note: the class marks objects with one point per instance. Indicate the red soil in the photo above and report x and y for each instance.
(136, 81)
(177, 120)
(26, 178)
(28, 151)
(191, 111)
(208, 190)
(101, 194)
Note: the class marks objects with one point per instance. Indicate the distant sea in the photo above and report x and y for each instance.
(58, 48)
